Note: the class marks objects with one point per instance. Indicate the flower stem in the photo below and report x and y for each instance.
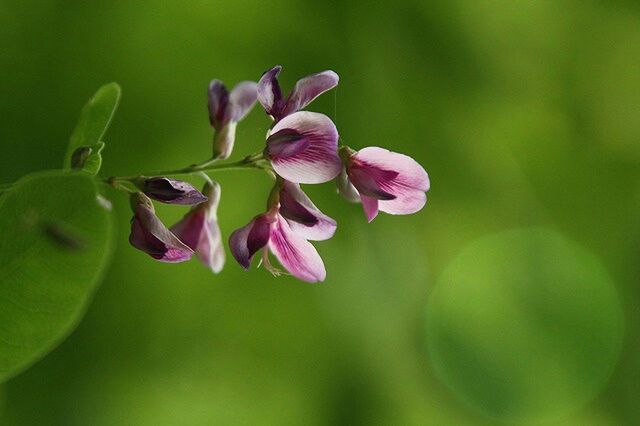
(254, 161)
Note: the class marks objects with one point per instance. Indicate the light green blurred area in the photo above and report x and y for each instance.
(524, 113)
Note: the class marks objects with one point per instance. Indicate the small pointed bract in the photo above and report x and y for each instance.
(149, 234)
(226, 110)
(303, 217)
(170, 191)
(346, 188)
(303, 148)
(304, 92)
(199, 229)
(387, 181)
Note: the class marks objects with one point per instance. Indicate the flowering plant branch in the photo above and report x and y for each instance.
(301, 148)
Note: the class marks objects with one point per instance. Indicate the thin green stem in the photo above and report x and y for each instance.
(255, 161)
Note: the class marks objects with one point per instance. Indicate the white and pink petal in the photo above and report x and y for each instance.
(241, 99)
(305, 219)
(309, 88)
(303, 148)
(269, 92)
(295, 254)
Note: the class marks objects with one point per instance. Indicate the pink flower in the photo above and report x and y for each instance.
(199, 229)
(384, 180)
(304, 92)
(226, 110)
(303, 148)
(150, 235)
(284, 230)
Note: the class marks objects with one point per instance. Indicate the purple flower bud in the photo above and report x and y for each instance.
(304, 92)
(199, 229)
(386, 181)
(149, 234)
(226, 110)
(170, 191)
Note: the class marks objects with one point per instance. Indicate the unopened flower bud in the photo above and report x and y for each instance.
(170, 191)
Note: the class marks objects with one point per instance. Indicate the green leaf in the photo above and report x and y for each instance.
(94, 119)
(56, 242)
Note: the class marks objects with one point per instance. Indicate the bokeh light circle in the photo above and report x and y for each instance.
(524, 325)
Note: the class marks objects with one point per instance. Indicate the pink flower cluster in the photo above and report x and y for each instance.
(301, 148)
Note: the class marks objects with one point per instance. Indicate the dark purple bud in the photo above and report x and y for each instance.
(170, 191)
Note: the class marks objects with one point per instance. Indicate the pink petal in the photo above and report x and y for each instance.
(241, 99)
(319, 161)
(369, 181)
(410, 173)
(269, 93)
(370, 207)
(309, 88)
(408, 186)
(296, 254)
(298, 208)
(246, 241)
(406, 202)
(200, 231)
(210, 250)
(190, 228)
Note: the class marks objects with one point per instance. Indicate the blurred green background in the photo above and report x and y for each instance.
(526, 114)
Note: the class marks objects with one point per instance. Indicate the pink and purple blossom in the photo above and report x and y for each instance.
(284, 230)
(303, 148)
(384, 180)
(226, 109)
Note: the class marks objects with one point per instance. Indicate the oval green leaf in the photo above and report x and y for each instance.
(94, 119)
(56, 242)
